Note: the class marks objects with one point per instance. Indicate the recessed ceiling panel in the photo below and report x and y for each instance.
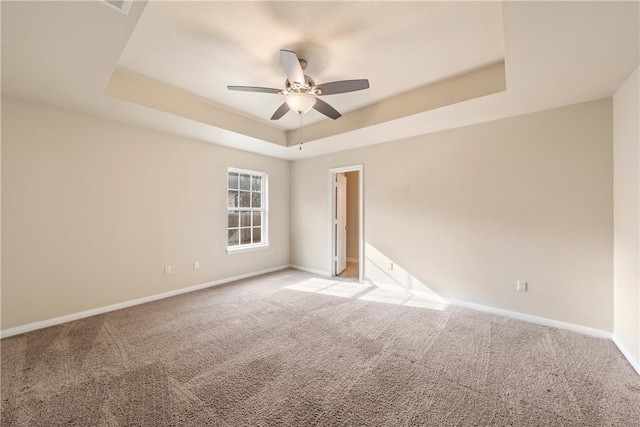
(201, 47)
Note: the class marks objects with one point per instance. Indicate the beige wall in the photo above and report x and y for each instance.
(466, 213)
(626, 131)
(352, 215)
(92, 211)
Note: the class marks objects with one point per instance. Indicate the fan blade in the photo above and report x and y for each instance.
(342, 86)
(292, 67)
(254, 89)
(281, 111)
(326, 109)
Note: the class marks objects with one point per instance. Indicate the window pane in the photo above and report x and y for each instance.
(245, 219)
(257, 232)
(245, 181)
(233, 219)
(233, 237)
(245, 236)
(257, 200)
(246, 216)
(257, 219)
(256, 183)
(232, 199)
(245, 199)
(233, 180)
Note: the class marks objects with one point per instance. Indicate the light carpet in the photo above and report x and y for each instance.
(292, 349)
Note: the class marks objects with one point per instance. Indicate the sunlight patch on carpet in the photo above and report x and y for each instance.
(366, 292)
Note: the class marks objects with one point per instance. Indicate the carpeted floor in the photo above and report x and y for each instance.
(289, 349)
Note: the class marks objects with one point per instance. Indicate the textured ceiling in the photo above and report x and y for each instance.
(173, 60)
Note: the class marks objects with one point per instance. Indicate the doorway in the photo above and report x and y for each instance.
(346, 225)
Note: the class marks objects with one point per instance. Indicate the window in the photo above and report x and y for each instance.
(246, 209)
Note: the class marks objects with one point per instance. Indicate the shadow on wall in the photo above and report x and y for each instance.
(382, 272)
(384, 281)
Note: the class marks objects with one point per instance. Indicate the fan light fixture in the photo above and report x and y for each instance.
(301, 92)
(300, 102)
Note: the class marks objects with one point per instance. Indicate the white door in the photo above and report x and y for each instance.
(341, 223)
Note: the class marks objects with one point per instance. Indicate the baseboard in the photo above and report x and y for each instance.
(353, 260)
(493, 310)
(533, 319)
(310, 270)
(113, 307)
(627, 354)
(487, 309)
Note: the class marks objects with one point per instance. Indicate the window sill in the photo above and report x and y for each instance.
(242, 249)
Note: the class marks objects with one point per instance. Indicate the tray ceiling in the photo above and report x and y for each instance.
(432, 65)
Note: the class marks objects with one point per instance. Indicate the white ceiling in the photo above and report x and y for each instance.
(202, 47)
(555, 54)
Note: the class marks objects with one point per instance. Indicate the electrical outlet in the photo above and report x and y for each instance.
(167, 269)
(196, 265)
(389, 266)
(521, 286)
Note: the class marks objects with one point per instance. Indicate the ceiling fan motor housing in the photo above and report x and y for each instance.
(309, 83)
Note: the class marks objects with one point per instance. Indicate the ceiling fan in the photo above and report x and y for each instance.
(301, 92)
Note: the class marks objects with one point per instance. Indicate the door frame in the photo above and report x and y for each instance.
(332, 208)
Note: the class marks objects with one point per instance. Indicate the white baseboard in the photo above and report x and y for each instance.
(493, 310)
(81, 315)
(533, 319)
(627, 354)
(353, 260)
(310, 270)
(635, 363)
(487, 309)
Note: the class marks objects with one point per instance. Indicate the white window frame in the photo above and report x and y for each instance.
(264, 209)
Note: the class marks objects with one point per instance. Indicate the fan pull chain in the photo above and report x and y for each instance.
(300, 114)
